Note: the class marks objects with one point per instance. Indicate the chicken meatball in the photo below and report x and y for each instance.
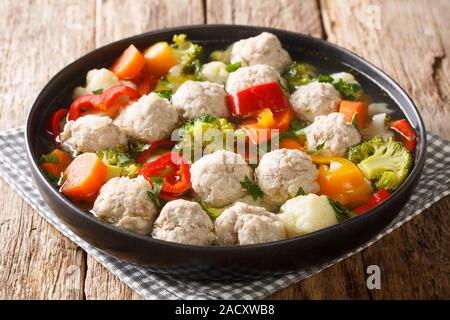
(216, 177)
(149, 119)
(281, 173)
(124, 202)
(184, 221)
(194, 98)
(91, 133)
(262, 49)
(246, 77)
(314, 99)
(333, 134)
(245, 224)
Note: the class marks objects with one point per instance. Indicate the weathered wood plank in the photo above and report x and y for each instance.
(110, 26)
(415, 54)
(37, 39)
(301, 16)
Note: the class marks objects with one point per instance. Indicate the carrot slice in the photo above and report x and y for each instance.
(129, 64)
(350, 108)
(159, 59)
(84, 177)
(57, 161)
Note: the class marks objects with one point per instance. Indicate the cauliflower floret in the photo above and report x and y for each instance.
(262, 49)
(246, 77)
(216, 177)
(124, 202)
(194, 98)
(314, 99)
(215, 72)
(345, 76)
(305, 214)
(91, 133)
(245, 224)
(334, 133)
(281, 173)
(185, 222)
(100, 79)
(149, 119)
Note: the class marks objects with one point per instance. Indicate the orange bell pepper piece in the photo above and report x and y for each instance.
(342, 181)
(291, 143)
(129, 64)
(159, 59)
(350, 108)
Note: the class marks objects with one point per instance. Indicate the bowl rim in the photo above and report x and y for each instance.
(413, 176)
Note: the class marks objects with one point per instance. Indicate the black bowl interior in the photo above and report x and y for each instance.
(317, 246)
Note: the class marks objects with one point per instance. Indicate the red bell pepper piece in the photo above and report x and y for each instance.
(174, 171)
(250, 101)
(55, 122)
(142, 158)
(406, 132)
(89, 103)
(374, 200)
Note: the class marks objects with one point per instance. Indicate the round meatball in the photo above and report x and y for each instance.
(333, 133)
(245, 224)
(262, 49)
(185, 222)
(149, 119)
(124, 202)
(195, 98)
(314, 99)
(246, 77)
(281, 174)
(216, 177)
(91, 133)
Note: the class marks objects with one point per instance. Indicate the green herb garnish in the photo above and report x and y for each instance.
(167, 94)
(355, 120)
(49, 158)
(349, 91)
(300, 192)
(154, 194)
(254, 190)
(318, 149)
(98, 91)
(197, 70)
(325, 78)
(233, 67)
(341, 212)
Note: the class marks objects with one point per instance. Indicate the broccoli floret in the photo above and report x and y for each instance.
(223, 56)
(385, 162)
(120, 159)
(187, 53)
(299, 74)
(194, 134)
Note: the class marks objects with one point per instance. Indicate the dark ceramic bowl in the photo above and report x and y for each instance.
(225, 262)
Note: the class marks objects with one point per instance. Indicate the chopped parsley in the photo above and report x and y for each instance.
(300, 192)
(49, 158)
(318, 149)
(355, 120)
(349, 91)
(98, 91)
(167, 94)
(341, 212)
(154, 194)
(325, 78)
(233, 67)
(254, 190)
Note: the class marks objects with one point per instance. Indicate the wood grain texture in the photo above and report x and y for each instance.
(301, 16)
(40, 37)
(36, 261)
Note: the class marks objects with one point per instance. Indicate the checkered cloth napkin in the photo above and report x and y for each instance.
(434, 185)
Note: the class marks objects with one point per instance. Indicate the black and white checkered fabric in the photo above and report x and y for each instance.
(434, 185)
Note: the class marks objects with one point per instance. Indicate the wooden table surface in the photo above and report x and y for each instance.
(407, 39)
